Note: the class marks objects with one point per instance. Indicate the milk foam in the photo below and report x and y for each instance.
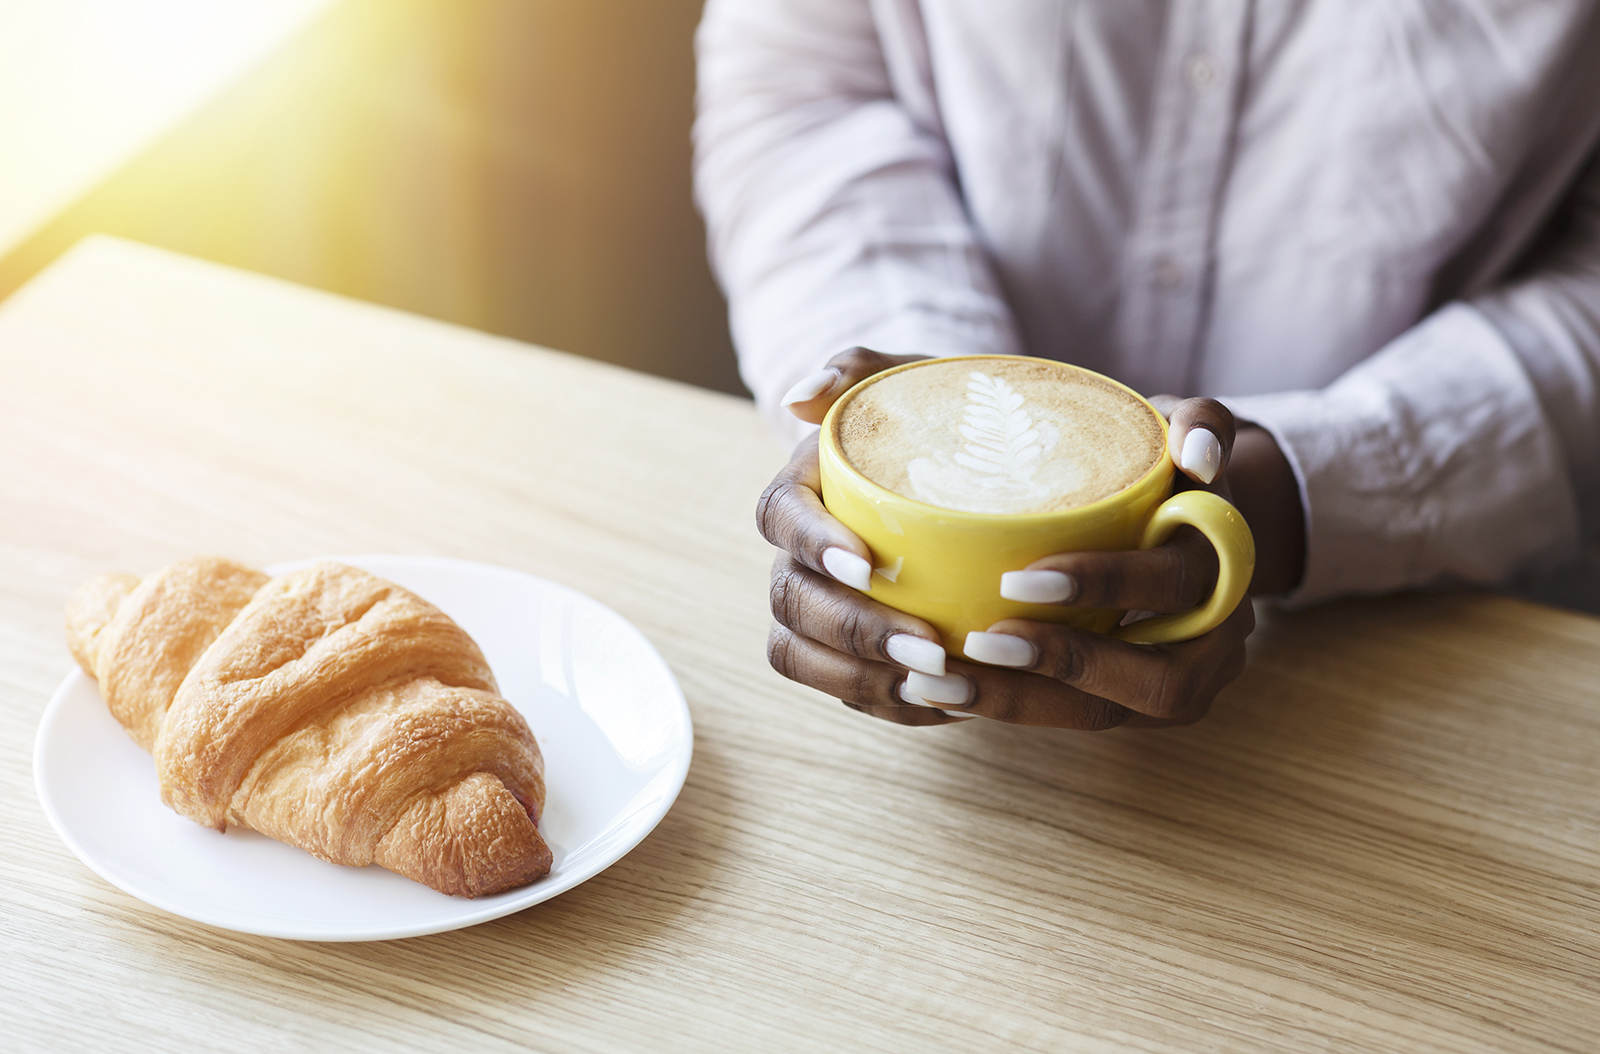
(998, 436)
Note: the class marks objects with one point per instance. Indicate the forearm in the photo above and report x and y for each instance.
(1550, 316)
(1468, 450)
(1267, 495)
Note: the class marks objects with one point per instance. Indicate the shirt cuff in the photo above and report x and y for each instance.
(1428, 464)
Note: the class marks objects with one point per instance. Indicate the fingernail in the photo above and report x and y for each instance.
(916, 653)
(848, 568)
(998, 649)
(1038, 587)
(952, 689)
(906, 696)
(808, 388)
(1202, 454)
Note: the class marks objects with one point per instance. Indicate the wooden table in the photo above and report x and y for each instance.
(1385, 837)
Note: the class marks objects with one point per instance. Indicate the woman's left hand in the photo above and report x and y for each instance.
(1057, 676)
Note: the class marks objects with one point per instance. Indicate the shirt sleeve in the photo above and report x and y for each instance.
(833, 214)
(1468, 449)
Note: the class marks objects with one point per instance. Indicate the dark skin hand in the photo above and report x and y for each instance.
(837, 640)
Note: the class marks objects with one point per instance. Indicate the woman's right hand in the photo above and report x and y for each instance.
(826, 633)
(811, 397)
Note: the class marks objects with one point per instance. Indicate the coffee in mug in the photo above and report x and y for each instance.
(954, 471)
(1005, 436)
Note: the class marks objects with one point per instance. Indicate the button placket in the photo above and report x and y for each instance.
(1200, 71)
(1165, 286)
(1166, 273)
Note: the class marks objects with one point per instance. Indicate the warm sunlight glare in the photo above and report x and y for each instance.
(86, 84)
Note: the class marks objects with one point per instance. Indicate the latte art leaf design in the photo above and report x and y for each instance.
(1001, 439)
(1004, 464)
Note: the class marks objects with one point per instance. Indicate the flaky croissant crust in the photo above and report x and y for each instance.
(326, 708)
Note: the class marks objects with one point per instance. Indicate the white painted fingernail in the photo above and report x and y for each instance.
(1202, 454)
(952, 689)
(906, 696)
(1038, 587)
(916, 653)
(998, 649)
(808, 388)
(848, 568)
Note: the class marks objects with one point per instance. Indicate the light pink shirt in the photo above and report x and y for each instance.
(1371, 227)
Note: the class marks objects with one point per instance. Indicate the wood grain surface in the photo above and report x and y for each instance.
(1385, 837)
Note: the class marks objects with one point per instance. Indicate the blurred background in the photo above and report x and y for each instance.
(519, 166)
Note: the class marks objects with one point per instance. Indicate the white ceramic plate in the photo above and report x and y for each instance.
(610, 719)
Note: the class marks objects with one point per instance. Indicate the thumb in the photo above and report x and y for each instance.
(814, 393)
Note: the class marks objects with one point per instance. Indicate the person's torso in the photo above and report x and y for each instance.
(1233, 197)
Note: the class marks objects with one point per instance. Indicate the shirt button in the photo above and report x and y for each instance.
(1166, 273)
(1200, 70)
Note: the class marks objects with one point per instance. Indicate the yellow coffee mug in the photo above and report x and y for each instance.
(944, 566)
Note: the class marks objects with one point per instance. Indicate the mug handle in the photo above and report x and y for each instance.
(1222, 525)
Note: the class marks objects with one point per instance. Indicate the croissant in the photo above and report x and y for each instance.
(326, 708)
